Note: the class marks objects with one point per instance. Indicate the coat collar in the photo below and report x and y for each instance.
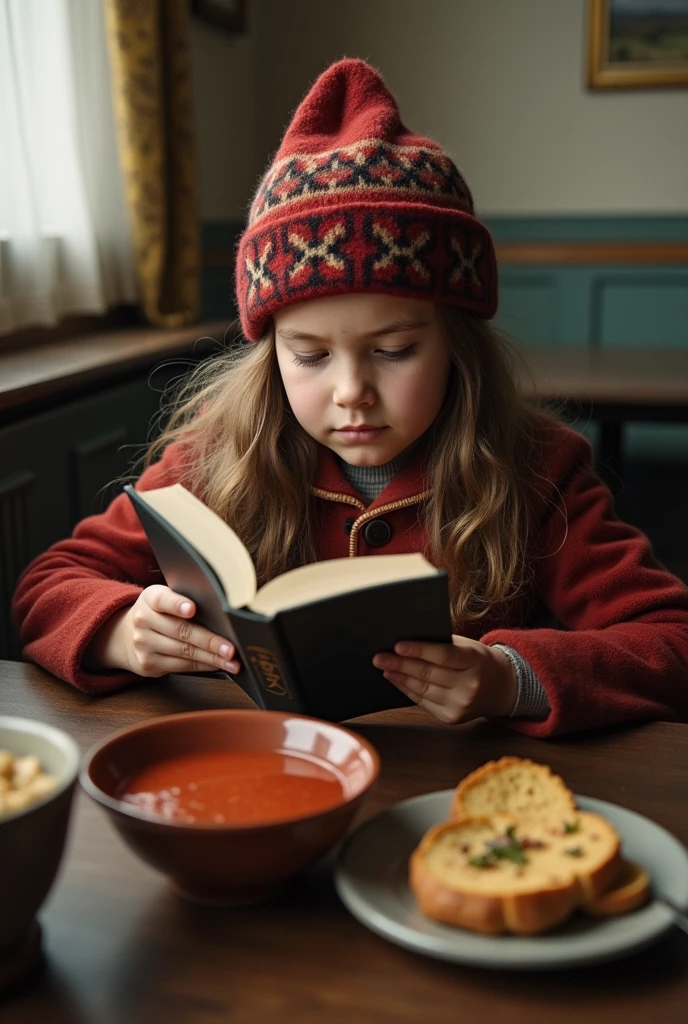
(330, 481)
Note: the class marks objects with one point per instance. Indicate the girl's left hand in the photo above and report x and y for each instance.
(455, 682)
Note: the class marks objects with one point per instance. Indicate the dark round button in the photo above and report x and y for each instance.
(377, 532)
(348, 523)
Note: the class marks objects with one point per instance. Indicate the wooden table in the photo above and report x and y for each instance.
(614, 386)
(121, 947)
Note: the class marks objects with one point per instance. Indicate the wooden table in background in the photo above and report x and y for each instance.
(121, 947)
(614, 386)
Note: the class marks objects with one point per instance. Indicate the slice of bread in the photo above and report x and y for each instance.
(491, 900)
(514, 785)
(498, 873)
(593, 847)
(630, 891)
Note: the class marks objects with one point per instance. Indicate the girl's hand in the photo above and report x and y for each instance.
(155, 637)
(454, 682)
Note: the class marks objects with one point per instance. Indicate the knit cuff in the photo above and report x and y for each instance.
(531, 699)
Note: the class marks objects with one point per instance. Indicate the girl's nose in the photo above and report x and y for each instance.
(352, 389)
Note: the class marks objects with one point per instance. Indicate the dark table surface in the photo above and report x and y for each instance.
(122, 947)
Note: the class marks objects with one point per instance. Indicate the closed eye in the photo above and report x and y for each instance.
(393, 355)
(308, 360)
(396, 355)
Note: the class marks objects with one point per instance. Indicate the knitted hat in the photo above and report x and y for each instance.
(354, 202)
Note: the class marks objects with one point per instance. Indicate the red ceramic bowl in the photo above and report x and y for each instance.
(229, 863)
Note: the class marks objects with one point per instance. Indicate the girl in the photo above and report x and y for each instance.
(378, 411)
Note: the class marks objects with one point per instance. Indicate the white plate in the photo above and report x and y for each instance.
(371, 879)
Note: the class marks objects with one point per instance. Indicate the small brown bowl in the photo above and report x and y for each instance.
(229, 863)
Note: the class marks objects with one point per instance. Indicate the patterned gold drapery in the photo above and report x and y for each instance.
(148, 42)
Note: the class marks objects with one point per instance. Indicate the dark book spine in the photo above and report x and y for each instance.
(266, 658)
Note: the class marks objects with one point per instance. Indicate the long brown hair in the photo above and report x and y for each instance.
(253, 464)
(483, 450)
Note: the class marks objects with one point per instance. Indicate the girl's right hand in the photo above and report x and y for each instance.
(155, 637)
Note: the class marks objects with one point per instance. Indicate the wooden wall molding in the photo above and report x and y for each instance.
(523, 254)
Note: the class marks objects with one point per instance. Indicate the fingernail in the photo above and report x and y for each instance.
(224, 650)
(382, 660)
(232, 666)
(185, 607)
(402, 648)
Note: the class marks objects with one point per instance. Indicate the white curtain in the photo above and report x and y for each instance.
(65, 245)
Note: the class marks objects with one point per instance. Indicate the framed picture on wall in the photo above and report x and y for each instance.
(637, 43)
(229, 15)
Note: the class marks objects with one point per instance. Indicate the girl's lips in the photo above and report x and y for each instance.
(358, 434)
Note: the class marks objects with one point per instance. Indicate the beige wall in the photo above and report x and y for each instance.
(500, 83)
(224, 96)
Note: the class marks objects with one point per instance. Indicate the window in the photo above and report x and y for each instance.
(65, 246)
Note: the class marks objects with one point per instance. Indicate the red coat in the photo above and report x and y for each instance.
(621, 656)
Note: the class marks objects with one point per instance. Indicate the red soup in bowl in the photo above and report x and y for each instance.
(231, 804)
(234, 787)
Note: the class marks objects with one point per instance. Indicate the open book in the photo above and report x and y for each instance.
(305, 639)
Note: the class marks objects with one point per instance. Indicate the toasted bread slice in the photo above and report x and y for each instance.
(593, 847)
(630, 891)
(499, 874)
(514, 785)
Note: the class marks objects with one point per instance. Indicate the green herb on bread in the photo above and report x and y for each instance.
(506, 847)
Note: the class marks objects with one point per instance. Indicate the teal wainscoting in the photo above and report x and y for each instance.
(598, 304)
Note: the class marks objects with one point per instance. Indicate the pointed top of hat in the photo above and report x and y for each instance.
(348, 103)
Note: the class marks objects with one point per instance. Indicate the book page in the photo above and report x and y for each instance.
(336, 576)
(214, 540)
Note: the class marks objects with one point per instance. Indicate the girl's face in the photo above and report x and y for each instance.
(365, 375)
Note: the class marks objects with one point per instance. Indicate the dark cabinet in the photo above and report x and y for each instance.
(61, 465)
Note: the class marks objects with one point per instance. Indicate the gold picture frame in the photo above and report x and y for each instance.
(637, 43)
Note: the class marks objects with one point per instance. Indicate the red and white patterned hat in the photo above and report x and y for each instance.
(354, 202)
